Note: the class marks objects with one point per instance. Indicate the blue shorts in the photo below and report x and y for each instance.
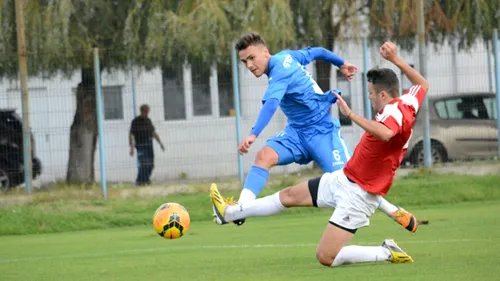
(322, 143)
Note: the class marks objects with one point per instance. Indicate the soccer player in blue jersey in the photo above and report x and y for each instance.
(311, 134)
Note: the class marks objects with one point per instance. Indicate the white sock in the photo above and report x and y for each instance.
(246, 195)
(359, 254)
(261, 207)
(387, 207)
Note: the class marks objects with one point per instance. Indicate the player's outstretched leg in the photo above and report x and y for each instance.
(295, 196)
(254, 183)
(332, 253)
(274, 153)
(225, 212)
(388, 251)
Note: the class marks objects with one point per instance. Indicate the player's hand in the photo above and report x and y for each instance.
(162, 147)
(245, 144)
(349, 70)
(335, 97)
(131, 151)
(342, 105)
(389, 51)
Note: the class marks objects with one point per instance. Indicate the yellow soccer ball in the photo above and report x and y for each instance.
(171, 220)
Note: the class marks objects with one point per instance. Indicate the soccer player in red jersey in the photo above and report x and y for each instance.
(355, 191)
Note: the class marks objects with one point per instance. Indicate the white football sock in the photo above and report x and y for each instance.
(359, 254)
(246, 195)
(387, 207)
(261, 207)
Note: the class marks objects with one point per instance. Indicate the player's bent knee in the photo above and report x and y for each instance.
(296, 196)
(287, 197)
(266, 158)
(325, 258)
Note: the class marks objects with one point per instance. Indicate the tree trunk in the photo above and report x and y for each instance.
(83, 136)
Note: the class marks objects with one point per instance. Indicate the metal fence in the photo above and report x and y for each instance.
(193, 110)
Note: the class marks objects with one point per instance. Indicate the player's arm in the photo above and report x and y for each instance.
(265, 115)
(389, 51)
(411, 74)
(278, 84)
(306, 55)
(377, 129)
(386, 127)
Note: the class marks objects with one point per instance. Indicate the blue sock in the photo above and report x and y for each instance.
(256, 179)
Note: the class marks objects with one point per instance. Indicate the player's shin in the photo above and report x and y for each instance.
(254, 183)
(361, 254)
(386, 207)
(261, 207)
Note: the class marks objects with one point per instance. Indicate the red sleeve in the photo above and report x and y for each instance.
(414, 97)
(391, 117)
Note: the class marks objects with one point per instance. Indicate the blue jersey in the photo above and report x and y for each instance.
(300, 98)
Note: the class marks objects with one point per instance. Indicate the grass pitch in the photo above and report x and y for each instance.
(462, 242)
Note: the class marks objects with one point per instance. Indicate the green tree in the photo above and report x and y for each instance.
(463, 21)
(153, 33)
(201, 29)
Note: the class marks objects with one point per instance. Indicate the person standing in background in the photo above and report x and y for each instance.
(141, 137)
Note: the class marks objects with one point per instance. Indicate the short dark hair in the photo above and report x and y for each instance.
(249, 39)
(384, 79)
(144, 108)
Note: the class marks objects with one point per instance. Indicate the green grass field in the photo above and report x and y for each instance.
(462, 242)
(73, 209)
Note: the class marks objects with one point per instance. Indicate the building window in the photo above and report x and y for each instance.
(174, 103)
(200, 76)
(345, 87)
(226, 93)
(113, 102)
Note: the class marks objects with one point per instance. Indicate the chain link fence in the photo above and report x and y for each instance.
(192, 109)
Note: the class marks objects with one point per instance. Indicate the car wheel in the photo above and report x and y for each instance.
(4, 179)
(438, 154)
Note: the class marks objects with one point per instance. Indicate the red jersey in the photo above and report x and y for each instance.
(374, 162)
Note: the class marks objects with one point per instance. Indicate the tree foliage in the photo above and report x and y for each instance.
(61, 33)
(463, 21)
(161, 32)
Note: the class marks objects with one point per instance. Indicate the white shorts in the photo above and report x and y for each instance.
(353, 205)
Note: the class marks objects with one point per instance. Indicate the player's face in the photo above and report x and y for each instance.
(375, 97)
(255, 58)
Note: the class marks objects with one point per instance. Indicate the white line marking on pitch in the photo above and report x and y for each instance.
(103, 254)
